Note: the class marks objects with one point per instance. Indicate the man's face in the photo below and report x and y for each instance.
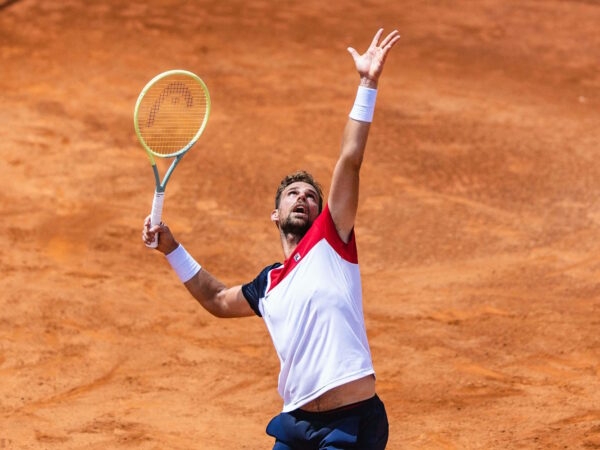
(298, 208)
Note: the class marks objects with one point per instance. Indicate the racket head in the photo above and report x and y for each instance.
(171, 113)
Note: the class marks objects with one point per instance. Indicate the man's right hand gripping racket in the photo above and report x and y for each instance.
(169, 116)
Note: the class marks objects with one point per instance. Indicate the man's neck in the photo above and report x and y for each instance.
(289, 242)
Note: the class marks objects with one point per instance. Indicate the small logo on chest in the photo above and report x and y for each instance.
(297, 257)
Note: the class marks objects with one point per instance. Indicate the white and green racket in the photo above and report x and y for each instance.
(169, 116)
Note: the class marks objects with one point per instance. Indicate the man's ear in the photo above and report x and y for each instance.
(275, 217)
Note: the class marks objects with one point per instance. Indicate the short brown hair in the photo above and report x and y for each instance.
(300, 175)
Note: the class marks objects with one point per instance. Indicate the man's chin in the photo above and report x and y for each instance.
(296, 227)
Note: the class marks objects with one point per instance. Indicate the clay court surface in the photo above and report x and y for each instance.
(478, 227)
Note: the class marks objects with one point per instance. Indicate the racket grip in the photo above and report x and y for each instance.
(156, 214)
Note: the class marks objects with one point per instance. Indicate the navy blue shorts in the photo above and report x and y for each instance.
(362, 425)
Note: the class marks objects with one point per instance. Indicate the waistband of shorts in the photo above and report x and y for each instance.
(352, 408)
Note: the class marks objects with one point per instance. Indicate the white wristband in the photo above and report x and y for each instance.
(182, 262)
(364, 105)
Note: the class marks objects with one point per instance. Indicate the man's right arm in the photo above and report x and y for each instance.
(216, 298)
(213, 295)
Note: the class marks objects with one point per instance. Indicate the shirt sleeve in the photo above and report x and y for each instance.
(255, 290)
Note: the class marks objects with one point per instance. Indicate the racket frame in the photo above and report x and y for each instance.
(160, 186)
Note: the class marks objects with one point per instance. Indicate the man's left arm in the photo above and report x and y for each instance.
(343, 193)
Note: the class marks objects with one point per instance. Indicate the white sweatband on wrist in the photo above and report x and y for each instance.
(364, 105)
(183, 264)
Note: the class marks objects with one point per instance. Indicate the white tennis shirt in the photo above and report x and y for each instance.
(312, 307)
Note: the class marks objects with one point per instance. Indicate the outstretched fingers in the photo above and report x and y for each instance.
(390, 40)
(387, 44)
(376, 38)
(370, 64)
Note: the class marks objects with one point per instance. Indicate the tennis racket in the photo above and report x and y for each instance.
(169, 116)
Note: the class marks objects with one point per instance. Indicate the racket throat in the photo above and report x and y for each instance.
(159, 186)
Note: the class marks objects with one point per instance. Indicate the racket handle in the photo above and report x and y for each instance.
(156, 214)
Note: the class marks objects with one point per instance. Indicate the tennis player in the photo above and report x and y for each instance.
(312, 302)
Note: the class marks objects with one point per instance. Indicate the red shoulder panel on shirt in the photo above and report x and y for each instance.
(322, 228)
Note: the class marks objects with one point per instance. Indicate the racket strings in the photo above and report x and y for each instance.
(171, 115)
